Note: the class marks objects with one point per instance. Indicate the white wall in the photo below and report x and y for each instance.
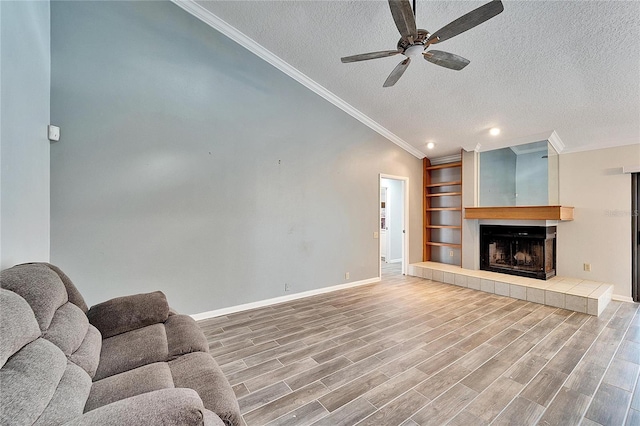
(24, 147)
(600, 234)
(470, 195)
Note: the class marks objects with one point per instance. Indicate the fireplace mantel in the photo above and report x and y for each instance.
(520, 213)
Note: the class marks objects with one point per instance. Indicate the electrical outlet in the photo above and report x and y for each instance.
(451, 253)
(375, 234)
(287, 287)
(346, 275)
(587, 267)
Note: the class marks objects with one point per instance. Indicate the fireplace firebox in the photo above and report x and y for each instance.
(528, 251)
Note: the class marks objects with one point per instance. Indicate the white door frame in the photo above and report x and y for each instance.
(405, 221)
(387, 248)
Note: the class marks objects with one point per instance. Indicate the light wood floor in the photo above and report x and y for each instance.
(410, 351)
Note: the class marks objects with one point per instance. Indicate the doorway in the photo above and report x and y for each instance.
(635, 236)
(393, 215)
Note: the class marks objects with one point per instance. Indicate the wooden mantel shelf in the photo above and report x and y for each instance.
(520, 213)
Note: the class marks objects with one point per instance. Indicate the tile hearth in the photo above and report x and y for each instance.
(574, 294)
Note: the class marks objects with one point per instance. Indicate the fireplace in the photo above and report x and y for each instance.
(528, 251)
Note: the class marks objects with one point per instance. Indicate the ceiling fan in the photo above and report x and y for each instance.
(414, 42)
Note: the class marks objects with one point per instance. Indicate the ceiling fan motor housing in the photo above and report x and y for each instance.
(415, 50)
(421, 39)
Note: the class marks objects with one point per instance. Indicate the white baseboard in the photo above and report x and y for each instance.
(275, 300)
(622, 298)
(394, 260)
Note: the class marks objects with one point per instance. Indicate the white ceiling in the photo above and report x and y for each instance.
(539, 66)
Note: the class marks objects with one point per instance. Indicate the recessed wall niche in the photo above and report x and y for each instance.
(521, 175)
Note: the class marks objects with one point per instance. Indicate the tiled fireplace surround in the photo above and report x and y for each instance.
(562, 292)
(574, 294)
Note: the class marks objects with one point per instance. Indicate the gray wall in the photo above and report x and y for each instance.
(532, 179)
(189, 165)
(497, 178)
(24, 147)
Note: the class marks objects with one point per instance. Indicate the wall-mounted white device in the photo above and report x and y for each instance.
(53, 133)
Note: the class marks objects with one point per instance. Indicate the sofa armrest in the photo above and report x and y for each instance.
(122, 314)
(162, 407)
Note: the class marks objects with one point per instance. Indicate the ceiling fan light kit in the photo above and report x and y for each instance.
(414, 42)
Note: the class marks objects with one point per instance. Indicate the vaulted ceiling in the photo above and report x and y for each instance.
(539, 66)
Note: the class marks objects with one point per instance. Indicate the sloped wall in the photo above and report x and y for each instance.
(189, 165)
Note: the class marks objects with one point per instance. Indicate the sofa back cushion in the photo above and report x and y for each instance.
(61, 322)
(39, 386)
(29, 380)
(47, 349)
(72, 292)
(69, 399)
(123, 314)
(18, 325)
(87, 355)
(40, 287)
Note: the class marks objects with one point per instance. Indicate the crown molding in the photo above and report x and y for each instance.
(555, 142)
(602, 145)
(549, 135)
(251, 45)
(472, 148)
(541, 146)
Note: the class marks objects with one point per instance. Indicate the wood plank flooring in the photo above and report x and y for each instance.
(408, 351)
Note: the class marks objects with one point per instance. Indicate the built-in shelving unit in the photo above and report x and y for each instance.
(442, 212)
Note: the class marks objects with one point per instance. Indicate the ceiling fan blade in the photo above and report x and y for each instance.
(466, 22)
(367, 56)
(397, 73)
(404, 19)
(446, 59)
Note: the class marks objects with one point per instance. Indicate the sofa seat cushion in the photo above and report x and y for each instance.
(177, 336)
(147, 378)
(162, 407)
(199, 371)
(212, 419)
(131, 350)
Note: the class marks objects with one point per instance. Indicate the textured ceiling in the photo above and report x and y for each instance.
(568, 66)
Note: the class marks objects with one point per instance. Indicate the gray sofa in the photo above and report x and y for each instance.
(127, 361)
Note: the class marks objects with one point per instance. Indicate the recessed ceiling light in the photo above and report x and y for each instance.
(431, 145)
(494, 131)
